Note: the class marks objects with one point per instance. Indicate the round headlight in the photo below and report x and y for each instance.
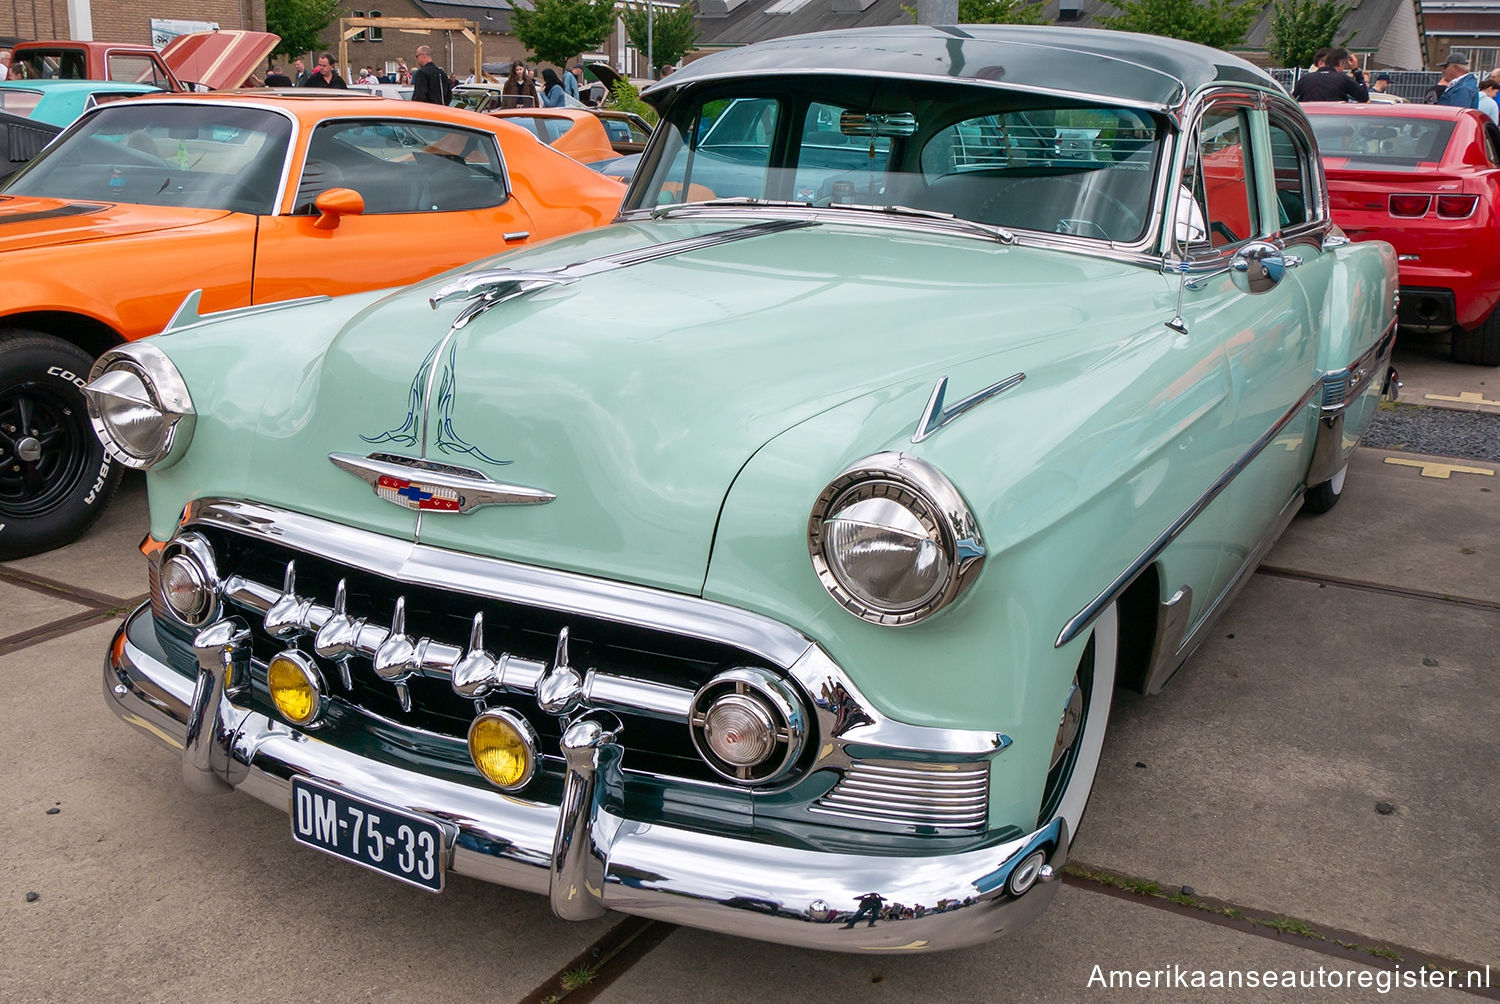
(892, 540)
(296, 686)
(139, 406)
(503, 746)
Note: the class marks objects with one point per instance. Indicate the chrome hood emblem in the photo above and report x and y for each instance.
(427, 486)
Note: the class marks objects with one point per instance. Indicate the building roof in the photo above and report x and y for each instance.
(1131, 69)
(1364, 25)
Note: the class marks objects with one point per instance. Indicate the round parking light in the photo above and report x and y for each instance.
(1026, 873)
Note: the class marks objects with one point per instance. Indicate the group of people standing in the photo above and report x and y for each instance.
(1337, 76)
(429, 83)
(522, 89)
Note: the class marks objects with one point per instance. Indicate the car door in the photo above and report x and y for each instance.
(1262, 195)
(1262, 336)
(434, 196)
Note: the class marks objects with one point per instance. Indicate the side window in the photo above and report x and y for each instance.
(1217, 176)
(1295, 204)
(359, 36)
(376, 34)
(399, 166)
(1492, 145)
(134, 69)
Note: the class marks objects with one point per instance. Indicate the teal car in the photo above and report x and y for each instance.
(790, 601)
(32, 112)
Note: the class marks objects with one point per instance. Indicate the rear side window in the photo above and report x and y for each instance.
(1294, 202)
(400, 166)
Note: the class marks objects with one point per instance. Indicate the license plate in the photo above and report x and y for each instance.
(393, 842)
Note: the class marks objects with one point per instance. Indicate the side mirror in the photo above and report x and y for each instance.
(1259, 267)
(335, 203)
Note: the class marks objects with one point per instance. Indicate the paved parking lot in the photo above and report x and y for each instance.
(1317, 791)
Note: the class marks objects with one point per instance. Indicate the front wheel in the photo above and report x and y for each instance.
(1480, 347)
(1322, 497)
(55, 478)
(1080, 734)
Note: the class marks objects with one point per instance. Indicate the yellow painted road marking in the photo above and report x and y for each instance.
(1466, 397)
(1433, 469)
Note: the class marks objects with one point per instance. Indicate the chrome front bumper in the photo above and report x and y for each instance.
(583, 856)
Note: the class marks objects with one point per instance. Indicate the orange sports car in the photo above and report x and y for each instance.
(588, 135)
(252, 198)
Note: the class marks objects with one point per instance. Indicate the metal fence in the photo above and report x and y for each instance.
(1412, 85)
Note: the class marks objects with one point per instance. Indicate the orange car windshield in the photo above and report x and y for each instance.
(159, 154)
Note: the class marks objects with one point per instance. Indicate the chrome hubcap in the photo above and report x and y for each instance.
(29, 449)
(1067, 729)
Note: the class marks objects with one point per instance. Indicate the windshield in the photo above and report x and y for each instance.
(198, 157)
(1003, 159)
(1382, 142)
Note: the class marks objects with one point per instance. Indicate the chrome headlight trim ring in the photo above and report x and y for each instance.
(164, 391)
(912, 483)
(195, 549)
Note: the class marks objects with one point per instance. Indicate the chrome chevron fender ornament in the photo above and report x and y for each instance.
(426, 486)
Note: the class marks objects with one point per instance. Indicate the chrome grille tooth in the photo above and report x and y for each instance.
(396, 660)
(477, 673)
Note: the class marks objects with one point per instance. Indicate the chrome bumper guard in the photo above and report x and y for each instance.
(586, 858)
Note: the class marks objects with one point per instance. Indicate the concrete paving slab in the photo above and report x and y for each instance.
(1396, 527)
(148, 892)
(107, 559)
(22, 609)
(1051, 960)
(1265, 758)
(1430, 376)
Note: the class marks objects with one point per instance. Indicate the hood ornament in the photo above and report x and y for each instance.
(427, 486)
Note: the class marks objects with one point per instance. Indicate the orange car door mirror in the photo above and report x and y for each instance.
(335, 203)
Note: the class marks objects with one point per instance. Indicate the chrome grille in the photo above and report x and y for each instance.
(949, 796)
(1335, 389)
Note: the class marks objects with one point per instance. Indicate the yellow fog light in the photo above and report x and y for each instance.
(296, 686)
(503, 746)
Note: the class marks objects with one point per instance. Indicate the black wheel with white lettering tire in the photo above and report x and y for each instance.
(1481, 346)
(55, 479)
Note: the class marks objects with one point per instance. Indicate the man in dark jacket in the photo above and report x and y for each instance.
(429, 83)
(324, 75)
(1330, 83)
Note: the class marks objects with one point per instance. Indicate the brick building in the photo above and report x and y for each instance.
(125, 20)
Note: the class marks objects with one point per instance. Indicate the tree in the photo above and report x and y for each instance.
(300, 24)
(1299, 28)
(674, 31)
(558, 30)
(1217, 23)
(995, 12)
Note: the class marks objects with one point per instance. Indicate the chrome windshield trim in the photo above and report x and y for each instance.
(1081, 620)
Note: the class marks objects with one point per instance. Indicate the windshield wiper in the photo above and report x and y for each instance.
(660, 212)
(995, 233)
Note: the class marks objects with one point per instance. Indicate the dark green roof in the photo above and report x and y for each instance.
(1128, 68)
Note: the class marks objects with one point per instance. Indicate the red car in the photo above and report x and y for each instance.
(1426, 179)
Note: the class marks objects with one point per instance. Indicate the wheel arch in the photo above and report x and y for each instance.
(1138, 607)
(88, 333)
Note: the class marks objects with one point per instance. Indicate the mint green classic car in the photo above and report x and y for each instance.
(791, 605)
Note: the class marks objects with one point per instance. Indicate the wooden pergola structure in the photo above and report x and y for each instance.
(351, 26)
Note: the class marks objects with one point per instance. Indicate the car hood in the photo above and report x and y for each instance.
(27, 222)
(219, 60)
(636, 393)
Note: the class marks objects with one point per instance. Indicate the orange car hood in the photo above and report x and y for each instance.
(27, 222)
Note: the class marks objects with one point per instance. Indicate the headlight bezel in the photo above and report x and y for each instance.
(164, 391)
(913, 484)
